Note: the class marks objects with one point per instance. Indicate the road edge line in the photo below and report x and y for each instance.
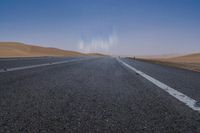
(191, 103)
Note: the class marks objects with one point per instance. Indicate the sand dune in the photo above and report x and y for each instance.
(15, 49)
(95, 54)
(191, 58)
(190, 61)
(165, 56)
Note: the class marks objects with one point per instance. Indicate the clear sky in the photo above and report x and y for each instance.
(128, 27)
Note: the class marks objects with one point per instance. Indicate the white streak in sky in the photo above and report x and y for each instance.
(98, 44)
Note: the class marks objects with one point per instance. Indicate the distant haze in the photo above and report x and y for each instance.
(119, 27)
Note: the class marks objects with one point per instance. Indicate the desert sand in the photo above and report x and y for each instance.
(16, 49)
(191, 58)
(190, 61)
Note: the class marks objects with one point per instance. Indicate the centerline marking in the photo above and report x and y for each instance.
(37, 65)
(191, 103)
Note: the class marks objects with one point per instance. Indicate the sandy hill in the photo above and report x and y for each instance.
(165, 56)
(190, 61)
(191, 58)
(15, 49)
(96, 54)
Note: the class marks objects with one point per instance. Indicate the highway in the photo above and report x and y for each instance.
(96, 95)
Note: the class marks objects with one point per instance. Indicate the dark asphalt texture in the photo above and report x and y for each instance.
(98, 95)
(17, 62)
(185, 81)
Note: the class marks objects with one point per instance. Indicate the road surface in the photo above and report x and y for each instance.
(94, 95)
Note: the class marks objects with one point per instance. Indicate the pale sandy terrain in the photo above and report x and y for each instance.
(15, 49)
(191, 58)
(95, 54)
(158, 56)
(191, 61)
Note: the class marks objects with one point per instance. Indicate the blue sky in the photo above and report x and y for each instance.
(126, 27)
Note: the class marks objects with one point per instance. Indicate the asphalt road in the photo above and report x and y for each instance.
(18, 62)
(95, 95)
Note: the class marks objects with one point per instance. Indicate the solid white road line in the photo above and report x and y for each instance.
(178, 95)
(38, 65)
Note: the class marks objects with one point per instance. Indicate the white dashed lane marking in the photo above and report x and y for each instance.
(38, 65)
